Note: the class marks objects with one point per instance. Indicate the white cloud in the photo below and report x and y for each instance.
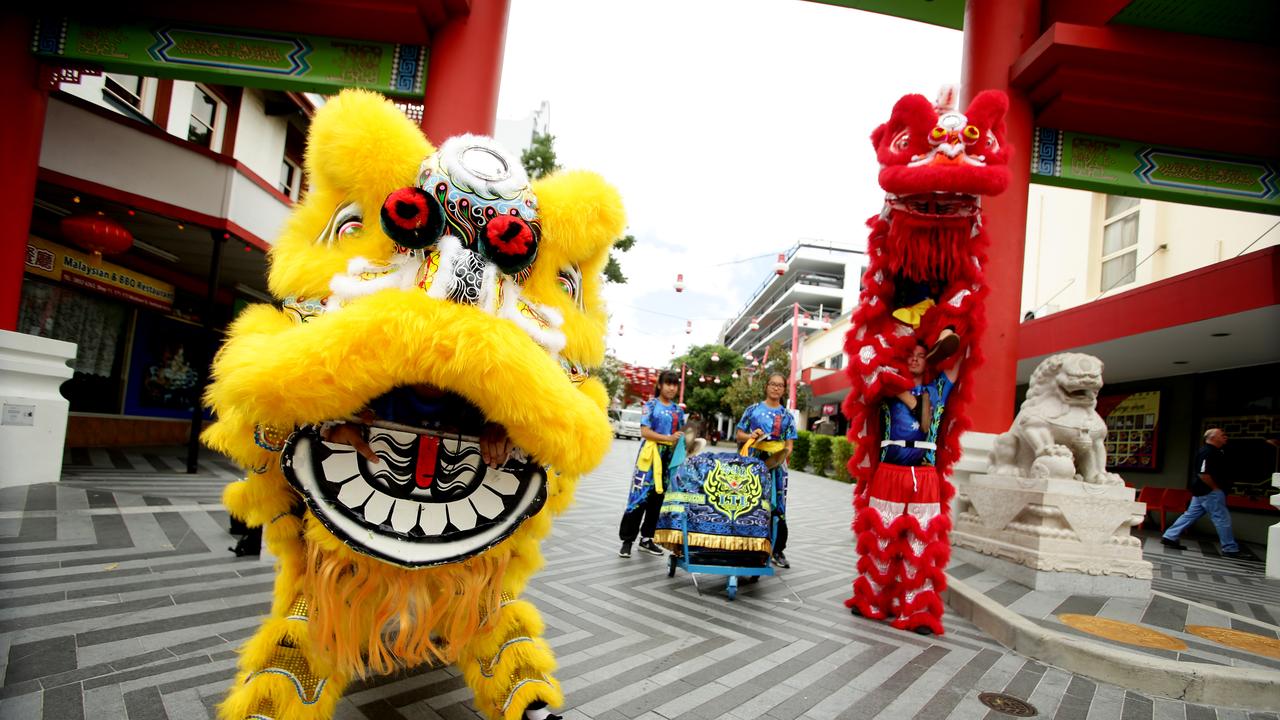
(733, 128)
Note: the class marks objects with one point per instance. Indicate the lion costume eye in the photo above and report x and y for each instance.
(992, 143)
(900, 141)
(347, 221)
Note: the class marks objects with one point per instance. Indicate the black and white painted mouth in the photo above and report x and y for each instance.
(430, 500)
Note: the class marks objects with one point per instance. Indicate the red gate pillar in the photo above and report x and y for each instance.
(996, 33)
(20, 146)
(465, 72)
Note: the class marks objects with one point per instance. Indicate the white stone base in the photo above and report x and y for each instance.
(33, 414)
(1052, 534)
(1056, 582)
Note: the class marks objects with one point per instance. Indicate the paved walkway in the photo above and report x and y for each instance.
(118, 599)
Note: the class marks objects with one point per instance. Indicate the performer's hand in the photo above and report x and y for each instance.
(495, 446)
(353, 435)
(757, 433)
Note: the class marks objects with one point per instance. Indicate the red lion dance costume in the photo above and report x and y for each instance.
(924, 287)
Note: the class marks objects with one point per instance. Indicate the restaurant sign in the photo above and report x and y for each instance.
(56, 262)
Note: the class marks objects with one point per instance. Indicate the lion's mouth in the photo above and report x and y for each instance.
(429, 500)
(937, 205)
(1082, 395)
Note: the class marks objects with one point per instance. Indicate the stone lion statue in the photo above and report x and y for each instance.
(1058, 433)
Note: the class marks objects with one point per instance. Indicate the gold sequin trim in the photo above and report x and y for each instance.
(486, 669)
(289, 662)
(299, 610)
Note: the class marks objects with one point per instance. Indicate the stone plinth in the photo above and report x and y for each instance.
(33, 414)
(1052, 534)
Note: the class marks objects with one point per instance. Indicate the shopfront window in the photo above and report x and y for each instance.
(99, 328)
(204, 117)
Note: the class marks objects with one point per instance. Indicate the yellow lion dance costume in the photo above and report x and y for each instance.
(427, 296)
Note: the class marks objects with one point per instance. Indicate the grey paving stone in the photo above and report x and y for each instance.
(28, 661)
(64, 703)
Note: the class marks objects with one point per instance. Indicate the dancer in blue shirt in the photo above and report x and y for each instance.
(773, 429)
(660, 428)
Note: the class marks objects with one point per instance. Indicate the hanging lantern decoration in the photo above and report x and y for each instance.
(755, 324)
(735, 375)
(679, 282)
(780, 267)
(620, 331)
(755, 363)
(715, 356)
(749, 356)
(702, 378)
(716, 380)
(99, 235)
(688, 327)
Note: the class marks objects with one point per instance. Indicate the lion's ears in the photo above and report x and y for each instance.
(581, 214)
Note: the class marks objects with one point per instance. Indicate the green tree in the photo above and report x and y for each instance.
(748, 389)
(707, 397)
(539, 160)
(613, 270)
(610, 373)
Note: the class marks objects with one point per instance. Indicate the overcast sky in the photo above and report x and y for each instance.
(732, 128)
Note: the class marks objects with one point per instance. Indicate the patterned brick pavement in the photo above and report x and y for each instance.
(118, 599)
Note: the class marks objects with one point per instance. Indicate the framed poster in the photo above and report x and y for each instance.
(163, 379)
(1133, 424)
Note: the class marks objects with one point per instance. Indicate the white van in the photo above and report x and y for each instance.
(628, 424)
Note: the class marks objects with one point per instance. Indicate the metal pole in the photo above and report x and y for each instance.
(682, 373)
(204, 355)
(795, 351)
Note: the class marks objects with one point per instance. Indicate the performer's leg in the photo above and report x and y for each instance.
(278, 672)
(873, 588)
(652, 507)
(508, 664)
(780, 543)
(925, 550)
(630, 525)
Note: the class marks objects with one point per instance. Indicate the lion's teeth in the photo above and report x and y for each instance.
(504, 483)
(486, 503)
(376, 510)
(405, 515)
(462, 515)
(433, 520)
(354, 493)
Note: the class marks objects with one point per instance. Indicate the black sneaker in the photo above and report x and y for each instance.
(626, 549)
(780, 560)
(647, 545)
(1172, 544)
(1235, 554)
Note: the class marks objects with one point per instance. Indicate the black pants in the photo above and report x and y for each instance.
(642, 520)
(780, 542)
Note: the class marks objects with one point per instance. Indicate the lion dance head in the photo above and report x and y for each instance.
(425, 294)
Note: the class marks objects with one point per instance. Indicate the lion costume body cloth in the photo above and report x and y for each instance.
(926, 250)
(433, 295)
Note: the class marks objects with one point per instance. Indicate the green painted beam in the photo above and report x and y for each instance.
(229, 56)
(1124, 167)
(946, 13)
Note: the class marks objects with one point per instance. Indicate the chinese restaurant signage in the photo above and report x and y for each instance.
(1122, 167)
(53, 261)
(279, 61)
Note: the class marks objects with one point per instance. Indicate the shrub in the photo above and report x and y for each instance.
(842, 452)
(800, 451)
(821, 453)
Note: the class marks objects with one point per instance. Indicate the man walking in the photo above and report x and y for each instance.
(1209, 486)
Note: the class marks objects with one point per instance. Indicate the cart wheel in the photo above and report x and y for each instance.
(671, 566)
(732, 587)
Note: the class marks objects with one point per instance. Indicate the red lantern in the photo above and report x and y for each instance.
(679, 283)
(619, 331)
(99, 235)
(755, 324)
(688, 327)
(780, 267)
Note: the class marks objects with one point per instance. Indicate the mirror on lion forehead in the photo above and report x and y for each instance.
(485, 163)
